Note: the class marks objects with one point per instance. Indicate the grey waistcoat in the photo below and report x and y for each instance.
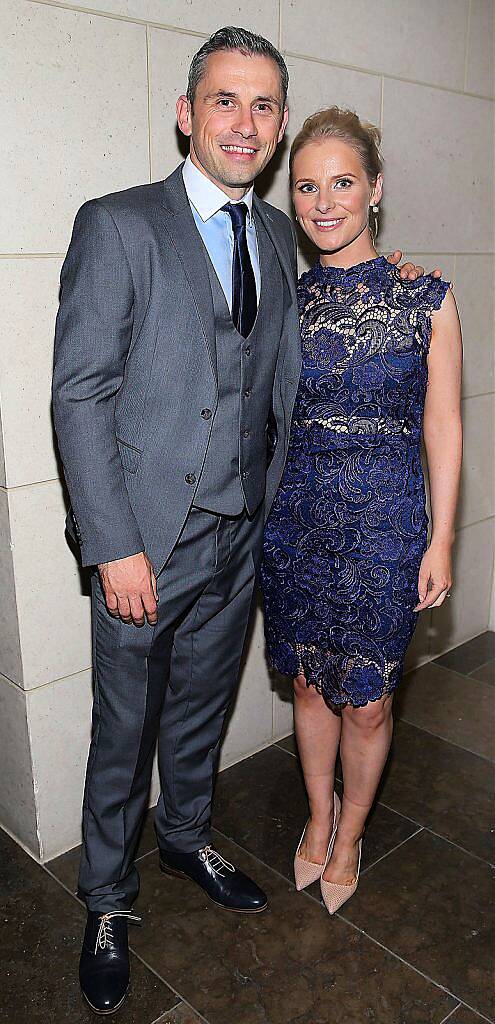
(234, 472)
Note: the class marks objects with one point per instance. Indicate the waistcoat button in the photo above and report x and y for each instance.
(247, 351)
(190, 478)
(246, 433)
(206, 414)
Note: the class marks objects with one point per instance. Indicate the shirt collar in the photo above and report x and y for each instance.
(206, 197)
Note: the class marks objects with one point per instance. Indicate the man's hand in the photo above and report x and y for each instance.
(130, 589)
(409, 272)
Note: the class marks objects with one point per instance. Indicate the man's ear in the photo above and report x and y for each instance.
(283, 126)
(184, 115)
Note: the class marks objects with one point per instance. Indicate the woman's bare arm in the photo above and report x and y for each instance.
(442, 429)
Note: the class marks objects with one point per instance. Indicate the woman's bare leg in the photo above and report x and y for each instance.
(364, 747)
(318, 735)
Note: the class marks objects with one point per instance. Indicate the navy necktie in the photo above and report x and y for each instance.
(244, 301)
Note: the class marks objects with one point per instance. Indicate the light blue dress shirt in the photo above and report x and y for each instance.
(215, 226)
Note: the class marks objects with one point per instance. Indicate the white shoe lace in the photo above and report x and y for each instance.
(105, 935)
(215, 860)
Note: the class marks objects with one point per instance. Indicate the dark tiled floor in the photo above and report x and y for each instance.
(411, 947)
(465, 1016)
(470, 656)
(40, 942)
(485, 672)
(439, 701)
(181, 1014)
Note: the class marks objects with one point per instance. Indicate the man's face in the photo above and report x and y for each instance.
(237, 119)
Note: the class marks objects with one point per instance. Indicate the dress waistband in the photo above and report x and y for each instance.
(334, 431)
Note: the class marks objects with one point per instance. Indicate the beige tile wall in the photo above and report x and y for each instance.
(87, 108)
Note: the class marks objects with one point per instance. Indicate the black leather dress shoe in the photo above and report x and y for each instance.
(220, 880)
(104, 968)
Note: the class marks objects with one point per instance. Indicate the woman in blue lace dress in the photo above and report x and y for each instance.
(347, 566)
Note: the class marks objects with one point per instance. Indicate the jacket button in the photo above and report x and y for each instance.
(247, 392)
(246, 433)
(190, 478)
(247, 351)
(206, 414)
(245, 474)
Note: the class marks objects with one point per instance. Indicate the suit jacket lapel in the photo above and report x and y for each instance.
(190, 250)
(279, 245)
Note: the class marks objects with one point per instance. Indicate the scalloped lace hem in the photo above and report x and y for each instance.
(344, 680)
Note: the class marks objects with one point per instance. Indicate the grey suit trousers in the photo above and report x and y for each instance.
(172, 682)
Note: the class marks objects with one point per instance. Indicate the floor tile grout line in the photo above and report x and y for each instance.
(413, 821)
(449, 1015)
(455, 671)
(345, 920)
(463, 849)
(180, 997)
(413, 968)
(171, 1009)
(477, 669)
(459, 746)
(392, 850)
(308, 895)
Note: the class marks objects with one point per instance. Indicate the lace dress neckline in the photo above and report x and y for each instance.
(349, 274)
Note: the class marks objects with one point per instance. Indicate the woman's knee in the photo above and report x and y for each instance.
(372, 716)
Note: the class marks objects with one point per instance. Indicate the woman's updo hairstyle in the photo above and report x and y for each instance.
(337, 123)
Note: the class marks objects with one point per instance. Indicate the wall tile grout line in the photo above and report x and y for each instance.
(56, 479)
(32, 255)
(120, 17)
(61, 255)
(148, 82)
(454, 273)
(41, 686)
(378, 74)
(286, 53)
(468, 43)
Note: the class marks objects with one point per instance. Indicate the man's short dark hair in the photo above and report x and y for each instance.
(232, 38)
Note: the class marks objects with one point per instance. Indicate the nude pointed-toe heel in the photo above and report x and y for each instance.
(335, 895)
(305, 872)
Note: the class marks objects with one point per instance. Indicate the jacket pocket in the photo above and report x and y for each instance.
(130, 456)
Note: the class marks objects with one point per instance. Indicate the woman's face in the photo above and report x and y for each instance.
(331, 193)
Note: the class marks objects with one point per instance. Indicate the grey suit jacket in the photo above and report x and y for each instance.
(134, 366)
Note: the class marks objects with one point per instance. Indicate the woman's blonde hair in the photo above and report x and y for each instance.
(337, 123)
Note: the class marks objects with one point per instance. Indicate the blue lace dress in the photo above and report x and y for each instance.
(348, 528)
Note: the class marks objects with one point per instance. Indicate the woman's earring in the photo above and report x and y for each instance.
(373, 221)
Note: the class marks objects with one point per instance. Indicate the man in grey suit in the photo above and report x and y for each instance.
(177, 357)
